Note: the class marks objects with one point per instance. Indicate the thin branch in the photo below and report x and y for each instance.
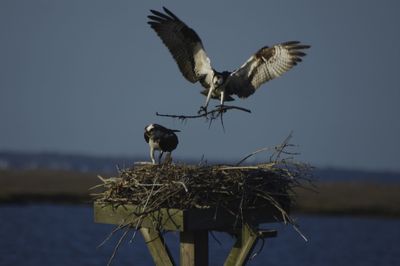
(238, 167)
(213, 114)
(117, 246)
(143, 210)
(183, 184)
(215, 238)
(279, 148)
(116, 229)
(253, 153)
(255, 254)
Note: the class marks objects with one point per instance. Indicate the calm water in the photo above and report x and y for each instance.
(66, 235)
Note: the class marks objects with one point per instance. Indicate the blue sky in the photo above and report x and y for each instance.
(86, 77)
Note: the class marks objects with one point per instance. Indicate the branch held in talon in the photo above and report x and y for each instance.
(187, 49)
(213, 114)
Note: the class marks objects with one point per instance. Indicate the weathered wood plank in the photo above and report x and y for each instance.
(180, 220)
(156, 245)
(193, 225)
(169, 219)
(243, 247)
(194, 248)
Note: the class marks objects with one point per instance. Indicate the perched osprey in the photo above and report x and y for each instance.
(162, 139)
(188, 51)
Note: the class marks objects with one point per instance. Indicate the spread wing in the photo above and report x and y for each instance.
(185, 46)
(268, 63)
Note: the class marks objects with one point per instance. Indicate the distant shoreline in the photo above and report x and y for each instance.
(332, 197)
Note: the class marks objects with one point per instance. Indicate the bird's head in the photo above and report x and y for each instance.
(154, 128)
(149, 128)
(220, 78)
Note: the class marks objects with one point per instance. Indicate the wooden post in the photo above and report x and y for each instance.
(158, 250)
(194, 248)
(193, 226)
(243, 247)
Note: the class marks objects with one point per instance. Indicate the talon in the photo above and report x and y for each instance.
(221, 108)
(203, 110)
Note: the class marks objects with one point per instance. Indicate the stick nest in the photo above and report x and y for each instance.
(234, 188)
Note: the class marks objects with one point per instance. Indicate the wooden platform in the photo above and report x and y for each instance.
(193, 225)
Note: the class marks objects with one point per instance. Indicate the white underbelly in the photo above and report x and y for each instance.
(154, 144)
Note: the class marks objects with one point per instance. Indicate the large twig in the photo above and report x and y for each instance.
(116, 229)
(117, 246)
(213, 114)
(144, 209)
(279, 150)
(252, 154)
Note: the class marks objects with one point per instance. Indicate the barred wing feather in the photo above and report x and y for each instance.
(267, 64)
(185, 46)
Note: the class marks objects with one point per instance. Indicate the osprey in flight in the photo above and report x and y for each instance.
(187, 49)
(162, 139)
